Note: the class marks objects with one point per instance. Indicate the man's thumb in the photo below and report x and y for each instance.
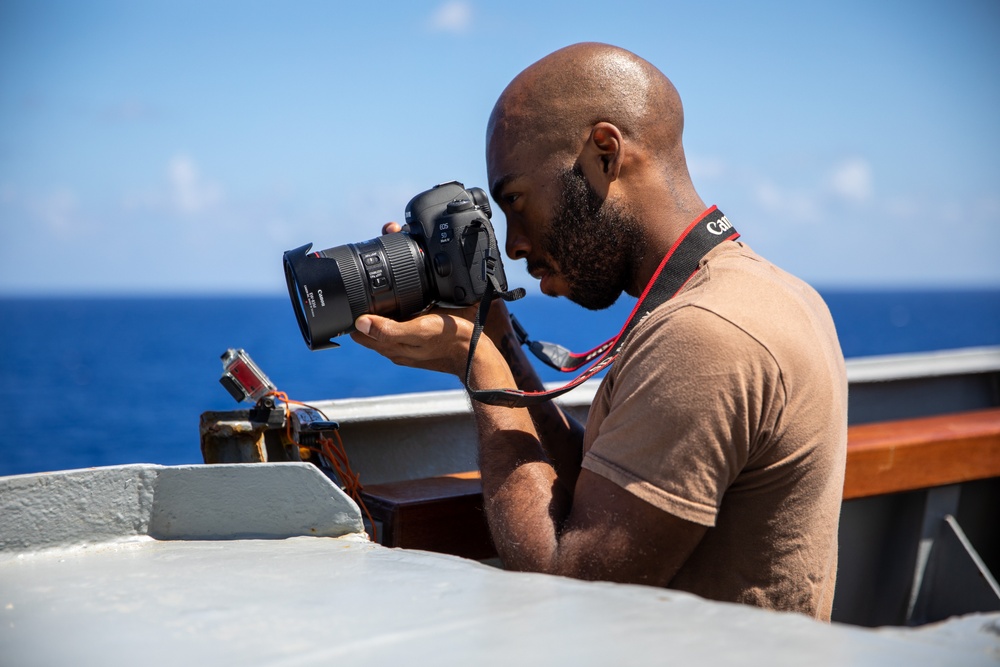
(363, 324)
(374, 326)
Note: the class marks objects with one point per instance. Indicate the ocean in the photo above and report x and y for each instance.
(102, 381)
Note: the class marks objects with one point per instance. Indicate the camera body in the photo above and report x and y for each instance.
(453, 225)
(445, 256)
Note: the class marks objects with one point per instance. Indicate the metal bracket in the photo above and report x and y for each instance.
(950, 578)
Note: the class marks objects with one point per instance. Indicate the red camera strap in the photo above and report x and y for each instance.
(677, 267)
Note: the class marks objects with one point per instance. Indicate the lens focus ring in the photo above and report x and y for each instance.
(351, 273)
(406, 265)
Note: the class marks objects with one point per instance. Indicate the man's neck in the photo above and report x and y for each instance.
(660, 238)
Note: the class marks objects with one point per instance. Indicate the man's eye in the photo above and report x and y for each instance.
(511, 198)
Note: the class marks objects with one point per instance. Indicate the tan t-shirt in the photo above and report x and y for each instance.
(728, 407)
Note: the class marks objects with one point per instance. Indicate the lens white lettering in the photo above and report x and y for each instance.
(311, 299)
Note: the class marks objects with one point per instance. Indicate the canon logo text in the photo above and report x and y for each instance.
(719, 226)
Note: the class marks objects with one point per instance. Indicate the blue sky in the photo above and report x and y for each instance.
(181, 147)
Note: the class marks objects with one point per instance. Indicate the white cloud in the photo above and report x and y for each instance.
(852, 180)
(707, 168)
(813, 195)
(189, 193)
(797, 205)
(454, 16)
(58, 211)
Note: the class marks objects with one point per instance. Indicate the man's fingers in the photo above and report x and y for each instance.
(377, 328)
(380, 334)
(430, 341)
(387, 332)
(421, 330)
(391, 228)
(363, 324)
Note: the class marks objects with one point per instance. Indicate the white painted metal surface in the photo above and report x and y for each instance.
(924, 364)
(95, 505)
(439, 404)
(111, 594)
(410, 436)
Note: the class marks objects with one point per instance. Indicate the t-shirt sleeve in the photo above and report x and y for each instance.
(678, 416)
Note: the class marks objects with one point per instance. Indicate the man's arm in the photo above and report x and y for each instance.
(597, 530)
(560, 434)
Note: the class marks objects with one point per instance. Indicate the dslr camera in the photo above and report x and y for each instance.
(446, 257)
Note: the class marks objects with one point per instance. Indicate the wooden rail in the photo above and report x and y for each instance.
(445, 513)
(889, 457)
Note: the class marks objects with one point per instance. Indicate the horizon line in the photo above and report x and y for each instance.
(244, 294)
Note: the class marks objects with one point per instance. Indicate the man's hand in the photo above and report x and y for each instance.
(437, 341)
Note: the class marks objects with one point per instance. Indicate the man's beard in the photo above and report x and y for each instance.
(597, 245)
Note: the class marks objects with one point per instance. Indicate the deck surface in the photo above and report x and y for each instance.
(318, 601)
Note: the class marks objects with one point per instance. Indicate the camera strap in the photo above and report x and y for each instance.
(677, 267)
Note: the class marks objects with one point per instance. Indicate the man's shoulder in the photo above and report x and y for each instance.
(711, 307)
(754, 295)
(741, 308)
(734, 277)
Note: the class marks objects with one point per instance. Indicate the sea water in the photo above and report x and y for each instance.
(102, 381)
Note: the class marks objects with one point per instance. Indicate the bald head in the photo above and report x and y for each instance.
(556, 101)
(584, 153)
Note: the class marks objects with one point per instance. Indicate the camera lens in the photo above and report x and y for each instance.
(329, 289)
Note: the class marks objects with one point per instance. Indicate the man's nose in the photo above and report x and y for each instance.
(517, 245)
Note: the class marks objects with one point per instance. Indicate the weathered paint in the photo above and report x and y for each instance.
(225, 501)
(106, 592)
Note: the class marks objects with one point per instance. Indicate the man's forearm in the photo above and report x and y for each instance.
(525, 503)
(561, 435)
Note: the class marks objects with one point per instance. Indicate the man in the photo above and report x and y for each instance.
(712, 460)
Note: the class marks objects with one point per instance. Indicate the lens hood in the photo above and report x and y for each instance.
(319, 298)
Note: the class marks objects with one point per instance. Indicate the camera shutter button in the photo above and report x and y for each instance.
(442, 264)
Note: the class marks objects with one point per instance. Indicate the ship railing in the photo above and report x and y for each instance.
(922, 487)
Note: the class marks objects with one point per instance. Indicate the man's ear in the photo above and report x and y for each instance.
(602, 156)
